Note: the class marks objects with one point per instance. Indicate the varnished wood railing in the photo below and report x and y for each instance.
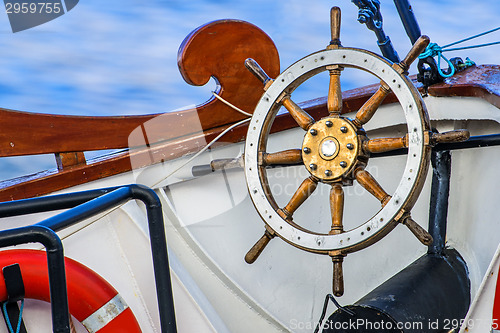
(217, 49)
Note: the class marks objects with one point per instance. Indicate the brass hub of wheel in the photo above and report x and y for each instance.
(331, 148)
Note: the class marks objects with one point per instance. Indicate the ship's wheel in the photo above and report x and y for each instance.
(336, 150)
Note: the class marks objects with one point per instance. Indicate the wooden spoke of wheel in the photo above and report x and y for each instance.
(257, 249)
(413, 54)
(366, 180)
(337, 209)
(303, 119)
(335, 27)
(338, 274)
(381, 145)
(259, 73)
(422, 235)
(285, 157)
(334, 100)
(449, 137)
(303, 192)
(368, 109)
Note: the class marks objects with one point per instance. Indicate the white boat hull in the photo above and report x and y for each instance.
(211, 223)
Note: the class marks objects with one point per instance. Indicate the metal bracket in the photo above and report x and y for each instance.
(369, 14)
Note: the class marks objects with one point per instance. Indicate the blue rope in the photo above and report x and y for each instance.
(433, 50)
(19, 320)
(472, 37)
(471, 47)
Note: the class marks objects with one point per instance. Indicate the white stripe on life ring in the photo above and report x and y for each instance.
(105, 314)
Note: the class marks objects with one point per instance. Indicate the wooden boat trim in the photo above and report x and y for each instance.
(481, 81)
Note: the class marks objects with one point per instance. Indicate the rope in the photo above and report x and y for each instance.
(472, 37)
(215, 139)
(206, 147)
(325, 307)
(434, 49)
(472, 46)
(231, 105)
(19, 320)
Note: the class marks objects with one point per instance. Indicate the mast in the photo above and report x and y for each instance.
(408, 18)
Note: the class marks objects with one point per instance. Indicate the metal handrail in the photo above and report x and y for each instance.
(83, 205)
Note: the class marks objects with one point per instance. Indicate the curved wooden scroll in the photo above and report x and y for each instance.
(218, 49)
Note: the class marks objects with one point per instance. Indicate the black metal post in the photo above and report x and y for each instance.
(160, 255)
(409, 20)
(55, 263)
(385, 45)
(89, 203)
(440, 190)
(369, 14)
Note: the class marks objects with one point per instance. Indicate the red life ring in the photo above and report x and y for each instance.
(88, 293)
(496, 304)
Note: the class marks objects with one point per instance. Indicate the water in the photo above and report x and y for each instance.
(120, 56)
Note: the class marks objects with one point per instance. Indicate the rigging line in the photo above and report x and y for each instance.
(214, 140)
(470, 47)
(433, 50)
(204, 149)
(231, 105)
(325, 307)
(472, 37)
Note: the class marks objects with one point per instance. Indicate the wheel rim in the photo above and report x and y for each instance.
(415, 169)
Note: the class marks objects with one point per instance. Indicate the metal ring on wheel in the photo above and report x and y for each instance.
(415, 169)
